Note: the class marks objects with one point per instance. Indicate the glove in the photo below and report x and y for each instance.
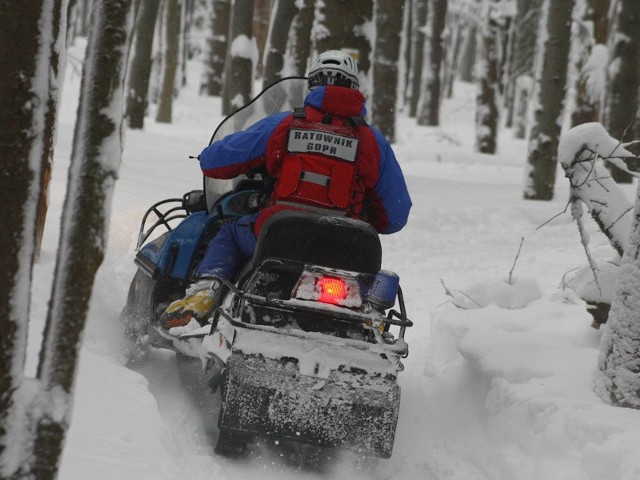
(198, 304)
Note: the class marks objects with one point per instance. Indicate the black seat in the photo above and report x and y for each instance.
(333, 242)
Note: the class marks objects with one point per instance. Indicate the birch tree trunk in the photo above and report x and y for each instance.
(623, 75)
(551, 80)
(31, 54)
(241, 55)
(216, 49)
(429, 113)
(282, 16)
(487, 96)
(388, 15)
(95, 159)
(171, 57)
(140, 65)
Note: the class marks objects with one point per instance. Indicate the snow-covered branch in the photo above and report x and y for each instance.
(582, 152)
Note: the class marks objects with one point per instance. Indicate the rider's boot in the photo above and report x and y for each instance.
(192, 311)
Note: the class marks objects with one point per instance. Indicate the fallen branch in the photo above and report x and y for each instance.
(515, 260)
(450, 294)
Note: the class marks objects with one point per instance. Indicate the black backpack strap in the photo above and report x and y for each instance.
(356, 121)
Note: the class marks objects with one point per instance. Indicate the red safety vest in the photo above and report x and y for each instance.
(319, 170)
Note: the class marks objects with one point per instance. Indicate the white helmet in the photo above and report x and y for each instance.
(334, 67)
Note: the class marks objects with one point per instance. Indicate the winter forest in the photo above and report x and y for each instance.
(516, 123)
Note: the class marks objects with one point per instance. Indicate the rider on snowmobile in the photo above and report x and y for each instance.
(323, 158)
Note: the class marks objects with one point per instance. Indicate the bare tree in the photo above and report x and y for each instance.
(140, 65)
(57, 57)
(589, 52)
(487, 73)
(31, 54)
(419, 19)
(623, 76)
(454, 28)
(262, 15)
(388, 15)
(523, 91)
(299, 47)
(212, 81)
(551, 82)
(525, 33)
(39, 436)
(282, 16)
(170, 63)
(469, 41)
(242, 52)
(337, 28)
(95, 159)
(429, 111)
(186, 53)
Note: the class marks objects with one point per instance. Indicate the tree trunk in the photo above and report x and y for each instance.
(299, 48)
(429, 113)
(417, 51)
(454, 40)
(551, 80)
(216, 51)
(282, 16)
(623, 77)
(587, 101)
(486, 99)
(525, 25)
(57, 64)
(95, 159)
(388, 15)
(188, 8)
(140, 65)
(260, 29)
(468, 53)
(241, 54)
(337, 28)
(619, 363)
(32, 54)
(521, 99)
(85, 17)
(171, 57)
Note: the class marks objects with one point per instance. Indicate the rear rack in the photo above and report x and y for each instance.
(393, 317)
(175, 212)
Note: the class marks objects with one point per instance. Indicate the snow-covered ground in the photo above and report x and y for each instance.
(502, 392)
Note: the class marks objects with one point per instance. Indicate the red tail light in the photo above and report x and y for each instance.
(332, 290)
(339, 288)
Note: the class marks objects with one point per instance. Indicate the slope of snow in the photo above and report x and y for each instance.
(487, 393)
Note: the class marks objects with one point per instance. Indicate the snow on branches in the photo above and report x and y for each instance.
(582, 152)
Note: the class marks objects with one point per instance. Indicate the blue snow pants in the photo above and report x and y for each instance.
(233, 244)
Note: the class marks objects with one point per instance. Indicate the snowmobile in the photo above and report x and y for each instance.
(301, 346)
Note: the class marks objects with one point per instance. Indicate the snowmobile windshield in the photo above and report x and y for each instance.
(281, 96)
